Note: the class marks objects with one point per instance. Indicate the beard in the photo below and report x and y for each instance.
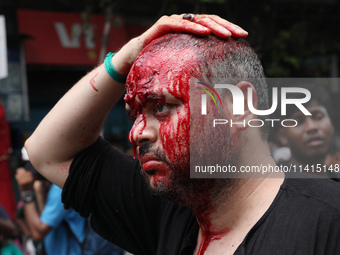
(198, 194)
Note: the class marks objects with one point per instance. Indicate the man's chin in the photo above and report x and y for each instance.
(156, 183)
(158, 187)
(166, 187)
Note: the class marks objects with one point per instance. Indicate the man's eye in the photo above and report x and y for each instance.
(161, 109)
(318, 116)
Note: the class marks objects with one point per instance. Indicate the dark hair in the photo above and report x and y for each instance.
(220, 61)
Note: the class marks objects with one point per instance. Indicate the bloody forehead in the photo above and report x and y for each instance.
(154, 72)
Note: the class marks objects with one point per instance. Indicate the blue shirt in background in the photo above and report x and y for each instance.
(59, 240)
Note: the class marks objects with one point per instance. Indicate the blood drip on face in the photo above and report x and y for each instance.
(145, 81)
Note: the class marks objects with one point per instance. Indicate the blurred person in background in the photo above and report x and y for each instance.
(61, 230)
(56, 220)
(40, 187)
(8, 231)
(310, 141)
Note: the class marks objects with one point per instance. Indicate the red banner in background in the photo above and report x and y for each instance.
(58, 38)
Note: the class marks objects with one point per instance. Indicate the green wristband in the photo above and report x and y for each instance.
(111, 70)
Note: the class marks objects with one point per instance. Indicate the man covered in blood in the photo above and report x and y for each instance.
(219, 216)
(157, 98)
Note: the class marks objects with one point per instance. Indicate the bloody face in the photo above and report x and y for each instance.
(158, 99)
(310, 140)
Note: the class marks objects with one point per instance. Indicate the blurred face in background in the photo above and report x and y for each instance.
(310, 140)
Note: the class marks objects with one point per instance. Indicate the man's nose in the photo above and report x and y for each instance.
(311, 125)
(143, 131)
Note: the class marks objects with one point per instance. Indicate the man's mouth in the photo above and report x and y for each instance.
(150, 172)
(315, 142)
(155, 170)
(152, 165)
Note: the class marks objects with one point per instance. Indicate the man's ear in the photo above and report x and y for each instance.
(246, 88)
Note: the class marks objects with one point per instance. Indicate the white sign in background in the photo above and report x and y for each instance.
(3, 48)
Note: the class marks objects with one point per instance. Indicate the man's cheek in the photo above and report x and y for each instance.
(168, 137)
(175, 137)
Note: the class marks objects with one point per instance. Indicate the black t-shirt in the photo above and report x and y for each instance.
(303, 219)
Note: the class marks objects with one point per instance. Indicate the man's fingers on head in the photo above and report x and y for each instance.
(176, 23)
(215, 28)
(235, 30)
(191, 27)
(199, 24)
